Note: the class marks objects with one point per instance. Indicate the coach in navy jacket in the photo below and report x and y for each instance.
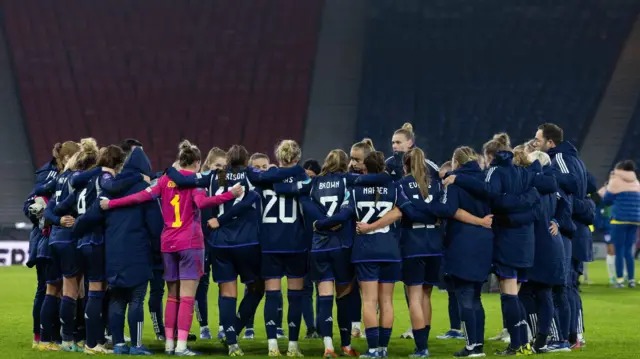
(571, 175)
(132, 232)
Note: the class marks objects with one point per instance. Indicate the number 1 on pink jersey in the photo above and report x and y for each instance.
(175, 202)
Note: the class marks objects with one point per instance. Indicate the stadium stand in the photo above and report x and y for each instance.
(234, 71)
(630, 148)
(461, 70)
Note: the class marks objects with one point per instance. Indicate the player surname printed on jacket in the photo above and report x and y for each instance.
(372, 190)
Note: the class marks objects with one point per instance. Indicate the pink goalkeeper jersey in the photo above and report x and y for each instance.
(180, 211)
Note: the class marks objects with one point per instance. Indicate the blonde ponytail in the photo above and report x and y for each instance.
(414, 162)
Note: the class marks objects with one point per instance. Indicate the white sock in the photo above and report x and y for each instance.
(328, 343)
(182, 345)
(585, 273)
(611, 266)
(293, 346)
(169, 345)
(220, 328)
(202, 329)
(355, 325)
(233, 347)
(273, 344)
(68, 344)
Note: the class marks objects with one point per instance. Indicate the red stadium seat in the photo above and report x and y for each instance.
(217, 72)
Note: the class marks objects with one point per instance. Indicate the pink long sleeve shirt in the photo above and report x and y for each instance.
(180, 211)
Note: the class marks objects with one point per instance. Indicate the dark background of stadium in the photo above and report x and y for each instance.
(323, 72)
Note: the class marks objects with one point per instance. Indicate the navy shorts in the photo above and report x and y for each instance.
(51, 271)
(278, 265)
(331, 266)
(68, 258)
(93, 262)
(421, 270)
(229, 263)
(508, 272)
(384, 272)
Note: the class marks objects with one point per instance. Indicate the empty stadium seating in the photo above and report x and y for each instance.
(216, 72)
(461, 70)
(630, 148)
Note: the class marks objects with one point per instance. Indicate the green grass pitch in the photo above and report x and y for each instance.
(611, 319)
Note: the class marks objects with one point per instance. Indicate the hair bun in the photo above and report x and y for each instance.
(503, 139)
(288, 151)
(189, 153)
(368, 142)
(408, 127)
(56, 149)
(88, 144)
(184, 145)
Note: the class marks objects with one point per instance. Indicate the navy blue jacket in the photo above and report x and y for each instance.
(43, 174)
(130, 231)
(372, 196)
(316, 208)
(239, 219)
(322, 197)
(572, 177)
(549, 259)
(47, 172)
(282, 229)
(62, 189)
(423, 237)
(88, 186)
(514, 240)
(35, 238)
(516, 208)
(468, 249)
(563, 218)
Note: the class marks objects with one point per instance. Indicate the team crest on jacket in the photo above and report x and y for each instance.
(171, 184)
